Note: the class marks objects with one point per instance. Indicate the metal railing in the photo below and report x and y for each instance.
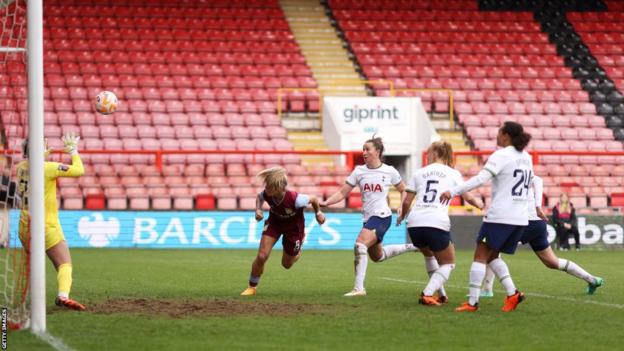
(350, 156)
(335, 85)
(422, 90)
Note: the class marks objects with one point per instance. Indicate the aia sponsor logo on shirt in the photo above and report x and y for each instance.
(373, 188)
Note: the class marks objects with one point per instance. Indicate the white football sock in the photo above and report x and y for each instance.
(575, 270)
(431, 264)
(438, 278)
(361, 263)
(488, 282)
(390, 251)
(477, 273)
(502, 273)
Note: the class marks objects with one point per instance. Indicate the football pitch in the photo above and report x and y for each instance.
(189, 300)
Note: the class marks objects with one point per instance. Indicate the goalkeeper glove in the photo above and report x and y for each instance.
(70, 141)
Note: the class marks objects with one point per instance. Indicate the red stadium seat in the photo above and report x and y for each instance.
(354, 201)
(205, 202)
(116, 198)
(138, 198)
(617, 199)
(161, 198)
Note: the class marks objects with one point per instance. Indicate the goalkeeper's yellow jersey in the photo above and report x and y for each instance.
(52, 170)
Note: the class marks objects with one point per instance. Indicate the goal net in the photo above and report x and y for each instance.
(14, 262)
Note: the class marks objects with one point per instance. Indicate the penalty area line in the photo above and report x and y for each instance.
(545, 296)
(53, 341)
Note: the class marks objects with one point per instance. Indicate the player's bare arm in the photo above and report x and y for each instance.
(476, 202)
(481, 178)
(320, 216)
(259, 203)
(338, 196)
(405, 206)
(401, 188)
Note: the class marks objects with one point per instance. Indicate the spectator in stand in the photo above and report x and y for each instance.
(564, 218)
(8, 188)
(8, 198)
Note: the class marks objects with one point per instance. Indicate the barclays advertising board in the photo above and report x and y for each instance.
(215, 230)
(229, 230)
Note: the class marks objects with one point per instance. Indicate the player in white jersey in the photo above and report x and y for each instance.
(536, 235)
(428, 223)
(511, 171)
(374, 178)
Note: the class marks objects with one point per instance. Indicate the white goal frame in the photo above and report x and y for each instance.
(34, 53)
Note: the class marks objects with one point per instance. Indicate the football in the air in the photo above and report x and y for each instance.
(106, 102)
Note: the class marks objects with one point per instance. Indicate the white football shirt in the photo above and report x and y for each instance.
(374, 184)
(428, 183)
(513, 173)
(535, 197)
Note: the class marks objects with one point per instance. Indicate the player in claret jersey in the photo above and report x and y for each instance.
(536, 235)
(428, 223)
(511, 172)
(285, 217)
(374, 178)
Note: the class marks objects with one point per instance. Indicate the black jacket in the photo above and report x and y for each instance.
(8, 189)
(558, 221)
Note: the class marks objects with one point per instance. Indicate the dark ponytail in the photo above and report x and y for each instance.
(519, 139)
(377, 143)
(25, 148)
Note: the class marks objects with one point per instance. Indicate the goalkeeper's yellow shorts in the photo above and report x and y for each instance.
(53, 234)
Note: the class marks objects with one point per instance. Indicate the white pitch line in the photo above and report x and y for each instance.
(55, 342)
(546, 296)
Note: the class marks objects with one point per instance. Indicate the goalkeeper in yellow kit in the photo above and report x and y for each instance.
(55, 244)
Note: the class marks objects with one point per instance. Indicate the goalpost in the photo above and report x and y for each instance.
(21, 276)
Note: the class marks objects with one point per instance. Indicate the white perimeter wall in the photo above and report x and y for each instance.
(401, 122)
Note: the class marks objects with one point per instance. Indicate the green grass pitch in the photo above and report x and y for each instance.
(303, 308)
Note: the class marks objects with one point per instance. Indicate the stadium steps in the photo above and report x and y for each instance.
(311, 140)
(323, 49)
(297, 122)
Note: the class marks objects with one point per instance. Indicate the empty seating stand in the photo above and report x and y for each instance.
(500, 67)
(193, 76)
